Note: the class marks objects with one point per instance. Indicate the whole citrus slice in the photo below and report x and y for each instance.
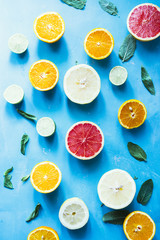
(143, 22)
(49, 27)
(45, 177)
(116, 189)
(99, 43)
(139, 226)
(43, 75)
(41, 233)
(82, 84)
(45, 127)
(132, 114)
(18, 43)
(118, 75)
(73, 213)
(84, 140)
(13, 94)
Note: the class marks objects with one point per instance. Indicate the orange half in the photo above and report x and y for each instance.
(49, 27)
(45, 177)
(43, 75)
(43, 233)
(99, 43)
(132, 114)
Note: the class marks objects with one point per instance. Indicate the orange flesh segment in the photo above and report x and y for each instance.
(47, 233)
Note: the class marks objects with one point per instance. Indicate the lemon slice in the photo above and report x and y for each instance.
(13, 94)
(118, 75)
(116, 189)
(73, 213)
(82, 84)
(18, 43)
(45, 127)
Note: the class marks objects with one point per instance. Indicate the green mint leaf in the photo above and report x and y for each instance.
(76, 62)
(135, 178)
(115, 217)
(23, 179)
(34, 214)
(137, 152)
(78, 4)
(147, 81)
(108, 7)
(8, 171)
(26, 115)
(102, 204)
(24, 140)
(145, 192)
(7, 179)
(127, 48)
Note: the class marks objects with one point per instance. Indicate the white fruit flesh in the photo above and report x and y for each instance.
(13, 94)
(82, 84)
(116, 189)
(73, 213)
(45, 126)
(118, 75)
(18, 43)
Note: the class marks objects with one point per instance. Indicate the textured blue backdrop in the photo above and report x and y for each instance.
(79, 178)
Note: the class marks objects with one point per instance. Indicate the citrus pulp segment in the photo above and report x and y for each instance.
(13, 94)
(116, 189)
(143, 22)
(82, 84)
(73, 214)
(45, 127)
(99, 43)
(45, 177)
(43, 75)
(49, 27)
(118, 75)
(43, 233)
(18, 43)
(84, 140)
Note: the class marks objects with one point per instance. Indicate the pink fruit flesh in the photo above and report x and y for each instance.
(144, 21)
(84, 140)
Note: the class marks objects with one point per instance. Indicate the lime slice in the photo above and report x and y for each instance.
(73, 214)
(13, 94)
(82, 84)
(118, 75)
(45, 127)
(116, 189)
(18, 43)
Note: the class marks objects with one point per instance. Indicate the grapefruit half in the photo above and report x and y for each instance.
(84, 140)
(143, 22)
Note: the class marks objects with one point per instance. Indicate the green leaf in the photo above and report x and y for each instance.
(7, 179)
(78, 4)
(102, 204)
(34, 214)
(135, 178)
(26, 115)
(108, 7)
(147, 81)
(145, 192)
(127, 48)
(115, 217)
(24, 140)
(137, 152)
(23, 179)
(8, 171)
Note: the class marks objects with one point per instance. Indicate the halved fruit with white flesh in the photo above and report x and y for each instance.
(116, 189)
(118, 75)
(45, 127)
(13, 94)
(84, 140)
(18, 43)
(82, 84)
(73, 214)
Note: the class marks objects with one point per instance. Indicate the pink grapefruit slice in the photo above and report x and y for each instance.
(143, 22)
(84, 140)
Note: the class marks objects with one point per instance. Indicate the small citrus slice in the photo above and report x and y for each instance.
(41, 233)
(45, 177)
(143, 22)
(118, 75)
(116, 189)
(82, 84)
(132, 114)
(139, 226)
(73, 214)
(43, 75)
(99, 43)
(45, 127)
(49, 27)
(13, 94)
(84, 140)
(18, 43)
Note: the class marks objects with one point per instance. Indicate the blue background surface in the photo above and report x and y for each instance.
(79, 178)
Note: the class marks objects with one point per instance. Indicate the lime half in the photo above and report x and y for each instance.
(118, 75)
(13, 94)
(45, 127)
(18, 43)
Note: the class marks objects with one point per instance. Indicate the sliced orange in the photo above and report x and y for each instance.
(41, 233)
(139, 226)
(49, 27)
(99, 43)
(45, 177)
(43, 75)
(132, 114)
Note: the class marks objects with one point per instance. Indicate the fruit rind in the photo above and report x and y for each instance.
(43, 228)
